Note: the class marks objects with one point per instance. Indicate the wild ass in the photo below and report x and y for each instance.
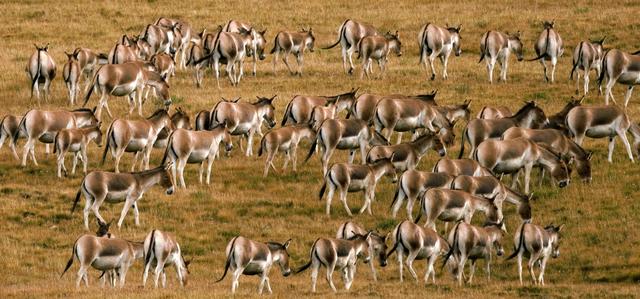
(290, 42)
(364, 107)
(165, 65)
(417, 243)
(185, 146)
(135, 136)
(41, 70)
(258, 42)
(105, 254)
(558, 120)
(8, 128)
(75, 140)
(299, 109)
(587, 56)
(128, 50)
(470, 242)
(321, 113)
(344, 134)
(479, 130)
(180, 120)
(601, 122)
(163, 249)
(549, 45)
(619, 67)
(540, 243)
(43, 125)
(438, 42)
(285, 139)
(378, 47)
(248, 257)
(377, 243)
(510, 156)
(413, 183)
(456, 167)
(340, 255)
(230, 49)
(453, 206)
(556, 140)
(88, 60)
(71, 73)
(347, 178)
(185, 32)
(100, 186)
(349, 35)
(497, 47)
(407, 155)
(159, 38)
(494, 112)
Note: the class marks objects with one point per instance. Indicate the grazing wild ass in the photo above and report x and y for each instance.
(349, 35)
(248, 257)
(135, 136)
(470, 242)
(378, 47)
(540, 243)
(257, 44)
(479, 130)
(163, 249)
(407, 155)
(71, 73)
(347, 178)
(41, 70)
(186, 146)
(414, 183)
(340, 255)
(75, 140)
(377, 243)
(299, 109)
(510, 156)
(100, 186)
(619, 67)
(344, 134)
(438, 42)
(602, 122)
(548, 45)
(497, 47)
(417, 243)
(290, 42)
(285, 139)
(43, 125)
(587, 56)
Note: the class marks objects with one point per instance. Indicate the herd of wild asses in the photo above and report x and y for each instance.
(501, 142)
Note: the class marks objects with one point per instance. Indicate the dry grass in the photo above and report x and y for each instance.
(599, 249)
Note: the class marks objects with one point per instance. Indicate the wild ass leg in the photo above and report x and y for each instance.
(343, 199)
(625, 141)
(543, 265)
(544, 68)
(520, 266)
(275, 61)
(130, 201)
(445, 62)
(432, 59)
(300, 61)
(209, 164)
(612, 144)
(410, 258)
(554, 61)
(285, 59)
(399, 253)
(527, 176)
(491, 62)
(627, 95)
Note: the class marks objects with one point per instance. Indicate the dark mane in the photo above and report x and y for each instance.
(157, 112)
(525, 108)
(275, 245)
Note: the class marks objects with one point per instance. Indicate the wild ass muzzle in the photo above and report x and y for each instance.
(344, 134)
(135, 136)
(417, 243)
(479, 130)
(185, 146)
(258, 42)
(377, 243)
(587, 56)
(510, 156)
(407, 155)
(285, 139)
(248, 257)
(291, 42)
(497, 47)
(470, 242)
(376, 47)
(347, 178)
(100, 186)
(414, 183)
(337, 255)
(540, 243)
(438, 42)
(163, 249)
(71, 73)
(349, 35)
(41, 70)
(76, 141)
(619, 67)
(43, 125)
(299, 109)
(548, 45)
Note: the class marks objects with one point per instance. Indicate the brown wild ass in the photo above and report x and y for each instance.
(41, 70)
(438, 42)
(377, 243)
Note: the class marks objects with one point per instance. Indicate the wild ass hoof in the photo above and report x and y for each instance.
(350, 71)
(433, 77)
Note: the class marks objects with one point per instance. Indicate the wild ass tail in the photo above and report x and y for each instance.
(108, 139)
(169, 148)
(425, 43)
(21, 126)
(287, 113)
(262, 145)
(546, 48)
(227, 263)
(604, 68)
(91, 88)
(313, 147)
(36, 77)
(464, 133)
(149, 251)
(397, 194)
(340, 35)
(520, 243)
(55, 142)
(75, 201)
(276, 46)
(398, 241)
(483, 51)
(313, 252)
(481, 114)
(453, 246)
(70, 262)
(577, 61)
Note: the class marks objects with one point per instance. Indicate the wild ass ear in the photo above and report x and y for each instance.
(286, 244)
(581, 99)
(459, 28)
(466, 103)
(559, 228)
(94, 109)
(589, 156)
(168, 165)
(602, 40)
(273, 98)
(37, 48)
(46, 48)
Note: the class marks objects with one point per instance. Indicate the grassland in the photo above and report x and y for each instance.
(599, 247)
